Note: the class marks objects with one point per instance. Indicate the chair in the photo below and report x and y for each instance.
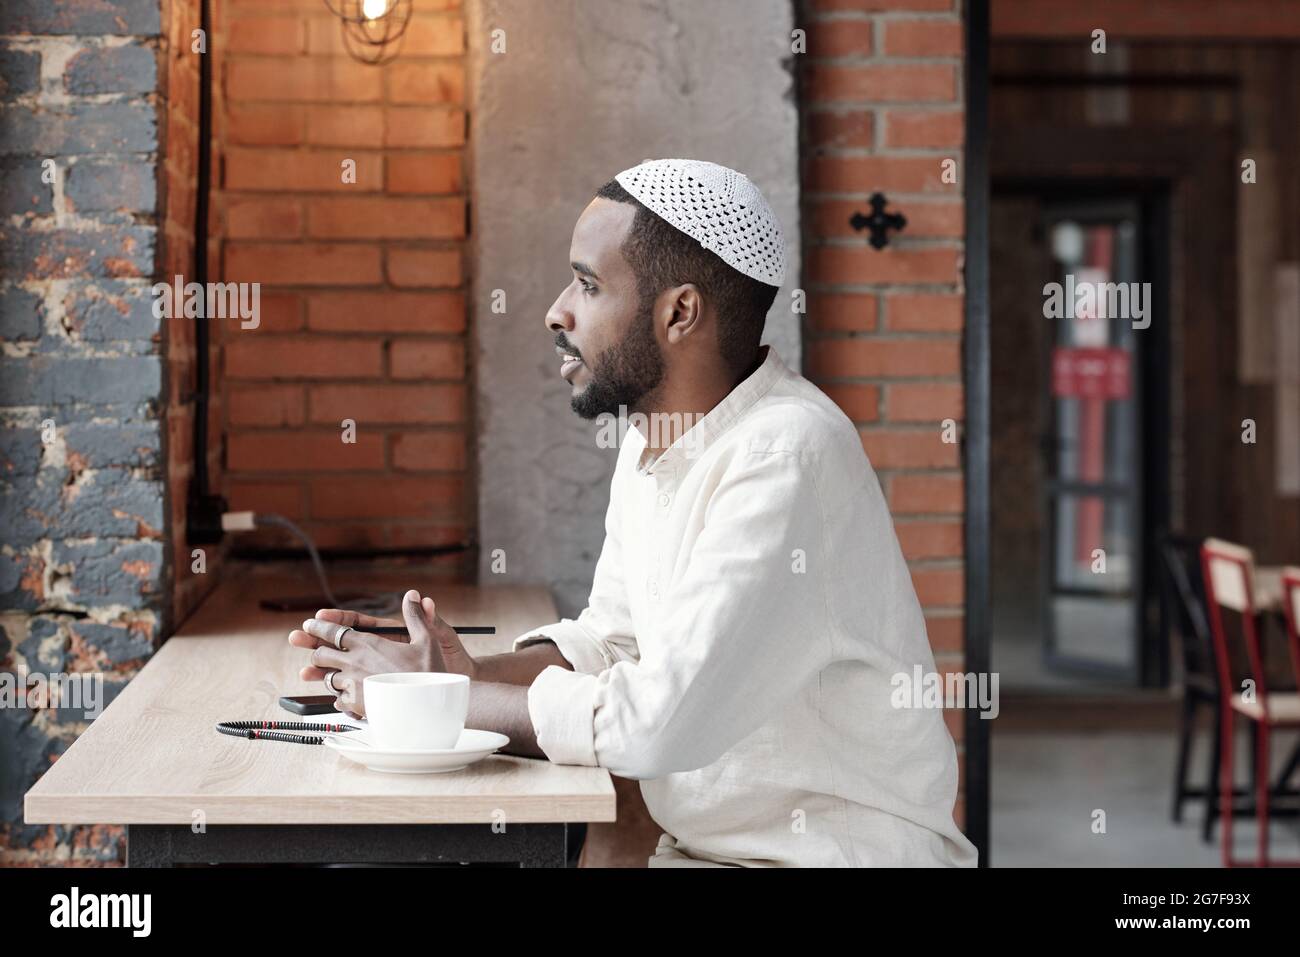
(1229, 575)
(1291, 612)
(1184, 593)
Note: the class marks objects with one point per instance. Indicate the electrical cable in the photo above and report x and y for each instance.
(380, 605)
(279, 521)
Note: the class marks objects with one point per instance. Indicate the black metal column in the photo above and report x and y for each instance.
(975, 369)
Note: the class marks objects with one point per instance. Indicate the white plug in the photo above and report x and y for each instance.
(238, 521)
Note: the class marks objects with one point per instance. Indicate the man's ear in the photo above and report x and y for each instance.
(684, 311)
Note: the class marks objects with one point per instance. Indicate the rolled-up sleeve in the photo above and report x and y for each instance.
(743, 629)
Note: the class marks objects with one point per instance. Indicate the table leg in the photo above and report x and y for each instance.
(167, 845)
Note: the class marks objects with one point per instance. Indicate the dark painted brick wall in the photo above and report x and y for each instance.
(84, 574)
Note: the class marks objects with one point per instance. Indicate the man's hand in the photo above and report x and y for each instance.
(433, 645)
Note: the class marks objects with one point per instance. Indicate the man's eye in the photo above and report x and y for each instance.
(587, 287)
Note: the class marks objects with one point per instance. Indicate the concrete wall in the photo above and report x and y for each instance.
(580, 93)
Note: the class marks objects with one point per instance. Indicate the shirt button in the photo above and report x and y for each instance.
(654, 588)
(664, 499)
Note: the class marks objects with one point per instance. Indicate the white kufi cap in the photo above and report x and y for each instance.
(716, 206)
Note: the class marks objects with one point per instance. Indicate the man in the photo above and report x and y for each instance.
(750, 606)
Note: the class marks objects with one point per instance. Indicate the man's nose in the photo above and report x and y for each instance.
(558, 317)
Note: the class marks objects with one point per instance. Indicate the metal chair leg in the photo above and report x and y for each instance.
(1225, 788)
(1254, 753)
(1261, 789)
(1212, 778)
(1184, 745)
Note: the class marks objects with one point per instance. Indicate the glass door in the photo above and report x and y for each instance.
(1093, 449)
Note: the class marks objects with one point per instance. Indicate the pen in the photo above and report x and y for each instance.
(401, 630)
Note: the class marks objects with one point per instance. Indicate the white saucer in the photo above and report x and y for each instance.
(471, 747)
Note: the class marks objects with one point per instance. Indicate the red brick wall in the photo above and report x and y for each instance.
(882, 108)
(363, 293)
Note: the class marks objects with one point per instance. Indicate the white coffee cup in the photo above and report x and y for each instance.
(416, 710)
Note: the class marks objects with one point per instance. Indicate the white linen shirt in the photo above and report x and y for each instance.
(749, 609)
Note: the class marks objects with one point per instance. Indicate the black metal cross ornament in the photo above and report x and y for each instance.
(879, 222)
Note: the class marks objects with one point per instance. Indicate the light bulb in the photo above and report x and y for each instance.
(374, 9)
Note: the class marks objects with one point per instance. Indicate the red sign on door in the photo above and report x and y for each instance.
(1092, 373)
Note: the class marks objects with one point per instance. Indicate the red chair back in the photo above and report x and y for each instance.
(1291, 607)
(1229, 572)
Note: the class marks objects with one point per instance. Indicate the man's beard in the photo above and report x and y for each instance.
(626, 374)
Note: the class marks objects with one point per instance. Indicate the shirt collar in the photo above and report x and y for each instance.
(673, 462)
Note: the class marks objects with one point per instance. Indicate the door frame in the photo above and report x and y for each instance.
(1149, 201)
(1172, 174)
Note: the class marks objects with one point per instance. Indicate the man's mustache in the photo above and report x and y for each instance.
(567, 346)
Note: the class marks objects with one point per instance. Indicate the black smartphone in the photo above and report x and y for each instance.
(310, 704)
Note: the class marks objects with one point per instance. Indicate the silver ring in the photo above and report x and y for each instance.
(338, 639)
(329, 682)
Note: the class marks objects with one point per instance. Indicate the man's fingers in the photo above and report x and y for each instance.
(355, 618)
(338, 615)
(426, 629)
(317, 673)
(413, 613)
(446, 635)
(347, 697)
(300, 639)
(319, 634)
(328, 632)
(324, 657)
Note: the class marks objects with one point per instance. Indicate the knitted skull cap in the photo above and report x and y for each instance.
(716, 206)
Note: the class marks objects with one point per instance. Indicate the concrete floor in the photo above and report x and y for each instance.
(1045, 787)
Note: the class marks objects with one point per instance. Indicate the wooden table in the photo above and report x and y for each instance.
(154, 761)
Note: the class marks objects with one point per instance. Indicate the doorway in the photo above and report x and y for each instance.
(1078, 369)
